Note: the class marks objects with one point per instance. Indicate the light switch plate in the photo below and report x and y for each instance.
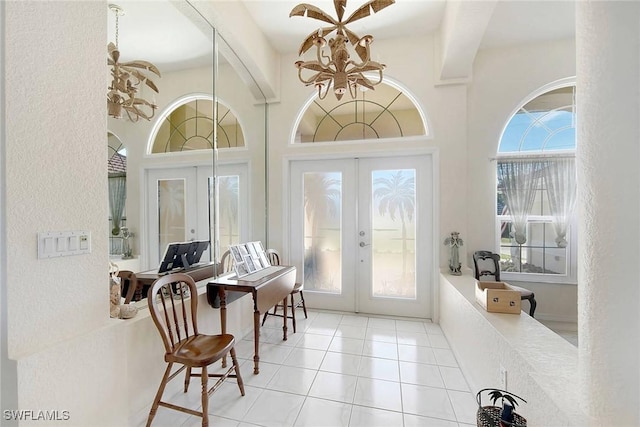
(53, 244)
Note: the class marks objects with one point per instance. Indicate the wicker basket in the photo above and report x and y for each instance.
(489, 416)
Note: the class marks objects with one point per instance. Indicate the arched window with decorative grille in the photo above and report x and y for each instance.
(536, 188)
(386, 112)
(188, 125)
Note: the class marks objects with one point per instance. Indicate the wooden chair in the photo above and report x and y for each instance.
(131, 289)
(226, 263)
(492, 268)
(274, 259)
(176, 320)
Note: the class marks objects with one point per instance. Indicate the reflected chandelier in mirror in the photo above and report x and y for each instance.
(127, 76)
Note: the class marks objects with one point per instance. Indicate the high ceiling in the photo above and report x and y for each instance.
(513, 21)
(152, 30)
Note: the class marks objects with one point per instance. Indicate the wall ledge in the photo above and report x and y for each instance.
(542, 367)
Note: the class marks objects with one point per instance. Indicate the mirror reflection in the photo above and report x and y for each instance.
(170, 194)
(117, 173)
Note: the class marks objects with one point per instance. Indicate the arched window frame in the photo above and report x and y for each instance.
(538, 220)
(170, 108)
(428, 133)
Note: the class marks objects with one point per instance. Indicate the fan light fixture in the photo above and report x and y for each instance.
(336, 68)
(127, 77)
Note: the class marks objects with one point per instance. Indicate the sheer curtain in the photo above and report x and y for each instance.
(117, 197)
(518, 181)
(560, 179)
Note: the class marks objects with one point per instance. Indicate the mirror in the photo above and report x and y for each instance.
(117, 175)
(180, 43)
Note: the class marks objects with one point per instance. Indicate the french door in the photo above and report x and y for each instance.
(362, 233)
(180, 208)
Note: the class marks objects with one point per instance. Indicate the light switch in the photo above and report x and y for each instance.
(61, 244)
(48, 245)
(73, 243)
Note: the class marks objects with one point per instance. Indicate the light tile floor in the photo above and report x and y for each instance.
(337, 370)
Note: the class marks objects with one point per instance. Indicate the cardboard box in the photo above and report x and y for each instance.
(498, 297)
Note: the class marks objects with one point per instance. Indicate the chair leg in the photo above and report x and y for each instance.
(266, 313)
(293, 313)
(237, 368)
(304, 307)
(187, 379)
(205, 397)
(156, 400)
(534, 304)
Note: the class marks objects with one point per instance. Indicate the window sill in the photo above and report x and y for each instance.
(538, 278)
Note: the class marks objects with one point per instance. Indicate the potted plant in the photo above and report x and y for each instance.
(503, 415)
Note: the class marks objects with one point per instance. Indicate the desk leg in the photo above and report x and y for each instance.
(223, 317)
(284, 326)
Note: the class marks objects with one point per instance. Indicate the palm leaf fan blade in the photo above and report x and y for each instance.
(362, 81)
(378, 5)
(340, 6)
(313, 12)
(315, 66)
(308, 42)
(142, 64)
(367, 8)
(361, 51)
(111, 47)
(152, 85)
(371, 66)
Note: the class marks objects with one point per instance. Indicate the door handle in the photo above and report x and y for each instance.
(363, 244)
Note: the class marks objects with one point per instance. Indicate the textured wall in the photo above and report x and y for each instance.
(541, 366)
(56, 174)
(608, 101)
(67, 357)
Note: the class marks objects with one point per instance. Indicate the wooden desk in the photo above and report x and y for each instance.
(274, 286)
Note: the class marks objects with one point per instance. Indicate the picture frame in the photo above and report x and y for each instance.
(235, 253)
(241, 269)
(250, 264)
(248, 258)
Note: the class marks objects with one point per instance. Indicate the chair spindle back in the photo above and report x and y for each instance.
(273, 256)
(174, 313)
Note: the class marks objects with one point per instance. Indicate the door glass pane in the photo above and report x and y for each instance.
(322, 231)
(393, 233)
(229, 197)
(171, 212)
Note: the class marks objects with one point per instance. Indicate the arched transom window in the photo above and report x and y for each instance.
(386, 112)
(189, 126)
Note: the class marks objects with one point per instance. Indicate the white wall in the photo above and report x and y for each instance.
(55, 179)
(69, 292)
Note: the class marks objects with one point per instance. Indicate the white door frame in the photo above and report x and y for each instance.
(435, 191)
